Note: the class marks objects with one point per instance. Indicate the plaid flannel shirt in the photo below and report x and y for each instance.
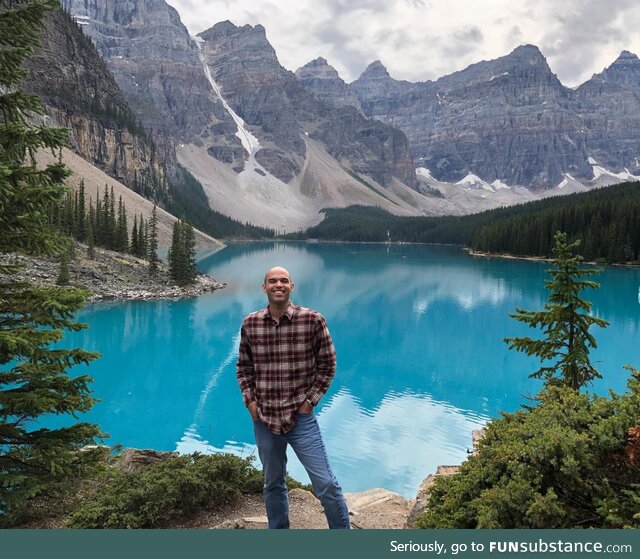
(282, 364)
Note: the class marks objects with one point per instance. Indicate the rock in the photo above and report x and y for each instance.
(422, 498)
(378, 508)
(133, 459)
(324, 82)
(79, 92)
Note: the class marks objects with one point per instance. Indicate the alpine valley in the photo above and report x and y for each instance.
(154, 108)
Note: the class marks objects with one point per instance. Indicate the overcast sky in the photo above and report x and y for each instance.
(419, 40)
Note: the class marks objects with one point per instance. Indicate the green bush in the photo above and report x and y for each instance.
(572, 461)
(179, 486)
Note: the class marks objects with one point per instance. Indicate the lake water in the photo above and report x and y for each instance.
(418, 332)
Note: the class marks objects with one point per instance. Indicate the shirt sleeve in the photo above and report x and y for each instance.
(245, 369)
(325, 362)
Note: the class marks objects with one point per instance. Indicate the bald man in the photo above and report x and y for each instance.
(286, 363)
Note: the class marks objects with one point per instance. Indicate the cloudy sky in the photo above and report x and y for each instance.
(425, 39)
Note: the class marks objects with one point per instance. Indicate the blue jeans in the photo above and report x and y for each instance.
(306, 441)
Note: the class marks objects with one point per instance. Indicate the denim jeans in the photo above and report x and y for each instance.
(306, 441)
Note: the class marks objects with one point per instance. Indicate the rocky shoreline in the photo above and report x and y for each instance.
(109, 276)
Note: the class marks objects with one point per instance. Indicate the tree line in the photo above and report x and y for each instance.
(605, 220)
(105, 223)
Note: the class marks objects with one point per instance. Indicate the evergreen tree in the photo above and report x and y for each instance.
(152, 241)
(63, 274)
(191, 266)
(565, 322)
(81, 218)
(134, 248)
(182, 254)
(176, 254)
(142, 238)
(34, 380)
(122, 235)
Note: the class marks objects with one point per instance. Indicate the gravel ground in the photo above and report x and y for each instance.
(109, 276)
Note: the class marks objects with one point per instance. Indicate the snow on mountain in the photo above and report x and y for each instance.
(498, 184)
(475, 182)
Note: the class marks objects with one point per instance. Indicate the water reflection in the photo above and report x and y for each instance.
(421, 362)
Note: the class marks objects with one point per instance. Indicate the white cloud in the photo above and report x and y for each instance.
(425, 39)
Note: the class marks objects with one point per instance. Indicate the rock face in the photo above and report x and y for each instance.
(508, 119)
(610, 111)
(276, 106)
(324, 82)
(78, 92)
(161, 70)
(155, 62)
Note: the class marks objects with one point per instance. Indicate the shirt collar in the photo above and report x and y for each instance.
(265, 313)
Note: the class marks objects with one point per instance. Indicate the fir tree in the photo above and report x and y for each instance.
(152, 241)
(63, 274)
(142, 238)
(191, 267)
(122, 235)
(134, 248)
(176, 254)
(34, 380)
(81, 218)
(565, 322)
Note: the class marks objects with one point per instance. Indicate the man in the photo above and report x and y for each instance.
(286, 363)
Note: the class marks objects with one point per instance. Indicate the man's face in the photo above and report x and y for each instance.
(277, 285)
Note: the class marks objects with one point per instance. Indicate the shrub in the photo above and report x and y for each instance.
(178, 486)
(572, 461)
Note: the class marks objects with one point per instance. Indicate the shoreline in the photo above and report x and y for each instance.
(481, 254)
(109, 276)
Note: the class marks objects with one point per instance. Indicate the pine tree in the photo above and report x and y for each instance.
(176, 254)
(34, 380)
(565, 322)
(142, 238)
(81, 225)
(63, 274)
(191, 267)
(122, 233)
(134, 248)
(152, 241)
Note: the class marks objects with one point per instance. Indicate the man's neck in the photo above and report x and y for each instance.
(277, 311)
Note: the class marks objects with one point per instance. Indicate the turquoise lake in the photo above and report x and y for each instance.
(421, 362)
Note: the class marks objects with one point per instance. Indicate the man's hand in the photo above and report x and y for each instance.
(253, 410)
(305, 408)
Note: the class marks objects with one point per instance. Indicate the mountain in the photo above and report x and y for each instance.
(325, 83)
(156, 64)
(78, 91)
(508, 119)
(610, 110)
(262, 146)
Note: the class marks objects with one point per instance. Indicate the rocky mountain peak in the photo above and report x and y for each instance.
(322, 79)
(528, 53)
(318, 68)
(226, 29)
(375, 70)
(625, 68)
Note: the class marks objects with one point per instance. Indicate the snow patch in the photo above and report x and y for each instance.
(424, 172)
(475, 182)
(498, 76)
(592, 161)
(498, 184)
(249, 141)
(625, 175)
